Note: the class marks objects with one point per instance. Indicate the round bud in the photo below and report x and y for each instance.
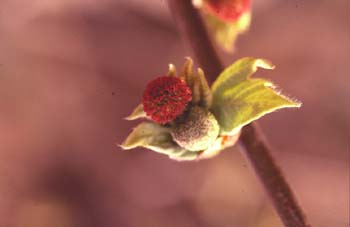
(197, 131)
(165, 98)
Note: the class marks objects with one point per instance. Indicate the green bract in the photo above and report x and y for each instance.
(233, 101)
(157, 138)
(226, 33)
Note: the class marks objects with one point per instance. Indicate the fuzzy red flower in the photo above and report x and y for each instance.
(165, 98)
(227, 10)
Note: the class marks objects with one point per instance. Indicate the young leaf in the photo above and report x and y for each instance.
(137, 113)
(196, 90)
(149, 135)
(157, 138)
(187, 72)
(239, 100)
(226, 33)
(206, 95)
(239, 71)
(172, 70)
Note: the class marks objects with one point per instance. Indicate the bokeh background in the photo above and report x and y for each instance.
(70, 71)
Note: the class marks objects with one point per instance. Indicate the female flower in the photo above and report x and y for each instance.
(227, 10)
(165, 98)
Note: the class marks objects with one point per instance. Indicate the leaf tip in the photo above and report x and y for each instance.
(129, 118)
(137, 113)
(188, 58)
(265, 64)
(123, 146)
(171, 70)
(128, 144)
(297, 104)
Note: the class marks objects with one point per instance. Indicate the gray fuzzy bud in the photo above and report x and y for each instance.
(197, 131)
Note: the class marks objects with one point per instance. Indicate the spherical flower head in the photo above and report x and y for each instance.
(227, 10)
(165, 98)
(197, 131)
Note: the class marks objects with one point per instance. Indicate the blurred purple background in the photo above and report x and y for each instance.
(70, 71)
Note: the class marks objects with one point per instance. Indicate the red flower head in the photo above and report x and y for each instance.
(165, 98)
(227, 10)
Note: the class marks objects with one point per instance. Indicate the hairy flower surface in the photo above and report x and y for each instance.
(165, 98)
(227, 10)
(197, 131)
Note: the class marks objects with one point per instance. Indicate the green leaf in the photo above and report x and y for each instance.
(149, 135)
(157, 138)
(239, 71)
(137, 113)
(239, 100)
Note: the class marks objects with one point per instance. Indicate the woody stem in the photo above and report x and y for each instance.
(256, 149)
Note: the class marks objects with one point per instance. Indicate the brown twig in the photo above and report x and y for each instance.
(256, 149)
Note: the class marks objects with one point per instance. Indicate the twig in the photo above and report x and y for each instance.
(256, 149)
